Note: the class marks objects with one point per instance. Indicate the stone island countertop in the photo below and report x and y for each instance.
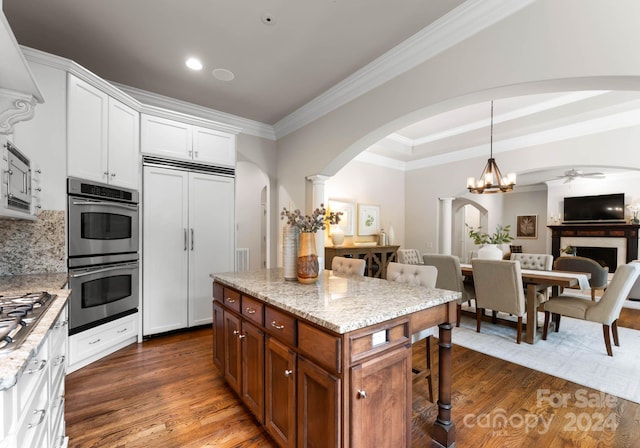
(339, 304)
(13, 363)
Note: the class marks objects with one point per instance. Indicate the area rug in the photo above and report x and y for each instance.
(576, 353)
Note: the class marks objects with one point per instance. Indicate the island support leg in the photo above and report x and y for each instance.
(444, 432)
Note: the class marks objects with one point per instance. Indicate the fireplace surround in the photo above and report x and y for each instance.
(623, 237)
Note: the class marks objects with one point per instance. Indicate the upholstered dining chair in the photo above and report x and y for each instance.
(605, 311)
(498, 285)
(348, 267)
(599, 274)
(409, 256)
(450, 277)
(536, 262)
(420, 275)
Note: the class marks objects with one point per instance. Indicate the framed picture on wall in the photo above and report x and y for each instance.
(347, 219)
(527, 226)
(368, 219)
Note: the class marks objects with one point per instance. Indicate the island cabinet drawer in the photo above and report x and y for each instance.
(281, 325)
(378, 338)
(321, 347)
(232, 299)
(253, 310)
(218, 292)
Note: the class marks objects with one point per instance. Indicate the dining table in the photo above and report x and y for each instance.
(539, 280)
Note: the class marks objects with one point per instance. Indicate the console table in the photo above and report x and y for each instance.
(376, 257)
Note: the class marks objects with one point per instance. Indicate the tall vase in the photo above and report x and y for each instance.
(307, 258)
(290, 252)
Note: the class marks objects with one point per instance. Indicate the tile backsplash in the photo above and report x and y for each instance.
(33, 247)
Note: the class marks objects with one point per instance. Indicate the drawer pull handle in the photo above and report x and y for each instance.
(276, 325)
(230, 300)
(41, 366)
(362, 394)
(288, 373)
(59, 360)
(240, 335)
(250, 310)
(60, 324)
(95, 342)
(122, 331)
(43, 413)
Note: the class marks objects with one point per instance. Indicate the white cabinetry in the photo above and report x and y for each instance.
(177, 140)
(188, 227)
(33, 410)
(103, 136)
(98, 342)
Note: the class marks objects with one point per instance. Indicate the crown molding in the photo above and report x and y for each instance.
(378, 160)
(148, 102)
(459, 24)
(156, 103)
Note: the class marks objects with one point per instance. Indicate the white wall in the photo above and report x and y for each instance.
(546, 46)
(360, 182)
(250, 181)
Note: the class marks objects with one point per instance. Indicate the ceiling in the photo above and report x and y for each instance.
(283, 53)
(286, 53)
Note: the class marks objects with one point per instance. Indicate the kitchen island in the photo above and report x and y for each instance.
(330, 363)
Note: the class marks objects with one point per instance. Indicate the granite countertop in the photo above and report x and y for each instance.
(14, 363)
(339, 304)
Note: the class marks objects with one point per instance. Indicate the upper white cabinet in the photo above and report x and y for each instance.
(177, 140)
(103, 136)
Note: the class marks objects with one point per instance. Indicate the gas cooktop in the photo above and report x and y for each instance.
(19, 314)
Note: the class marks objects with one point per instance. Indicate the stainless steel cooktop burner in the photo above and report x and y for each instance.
(18, 315)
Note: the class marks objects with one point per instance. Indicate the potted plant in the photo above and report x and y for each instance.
(569, 250)
(489, 242)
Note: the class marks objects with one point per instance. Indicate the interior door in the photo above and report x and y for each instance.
(164, 254)
(211, 239)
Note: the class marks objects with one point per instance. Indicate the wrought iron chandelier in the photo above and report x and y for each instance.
(491, 179)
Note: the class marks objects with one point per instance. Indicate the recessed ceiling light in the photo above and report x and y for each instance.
(223, 74)
(268, 18)
(194, 64)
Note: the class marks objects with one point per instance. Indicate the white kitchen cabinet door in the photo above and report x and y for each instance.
(88, 112)
(211, 211)
(165, 137)
(214, 147)
(124, 145)
(164, 250)
(199, 209)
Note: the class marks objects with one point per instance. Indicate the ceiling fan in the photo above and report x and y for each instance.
(572, 174)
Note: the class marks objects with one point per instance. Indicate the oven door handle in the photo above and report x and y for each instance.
(99, 271)
(110, 204)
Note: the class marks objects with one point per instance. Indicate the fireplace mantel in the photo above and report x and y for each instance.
(627, 231)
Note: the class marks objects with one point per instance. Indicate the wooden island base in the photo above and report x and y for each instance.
(310, 386)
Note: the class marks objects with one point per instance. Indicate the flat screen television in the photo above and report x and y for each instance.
(599, 208)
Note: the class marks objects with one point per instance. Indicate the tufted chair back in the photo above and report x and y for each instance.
(538, 262)
(412, 274)
(348, 267)
(409, 256)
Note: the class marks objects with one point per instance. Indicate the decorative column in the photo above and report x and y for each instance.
(446, 224)
(317, 198)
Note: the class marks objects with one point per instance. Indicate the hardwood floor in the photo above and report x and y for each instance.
(166, 392)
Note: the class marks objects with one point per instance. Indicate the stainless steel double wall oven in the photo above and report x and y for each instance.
(103, 226)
